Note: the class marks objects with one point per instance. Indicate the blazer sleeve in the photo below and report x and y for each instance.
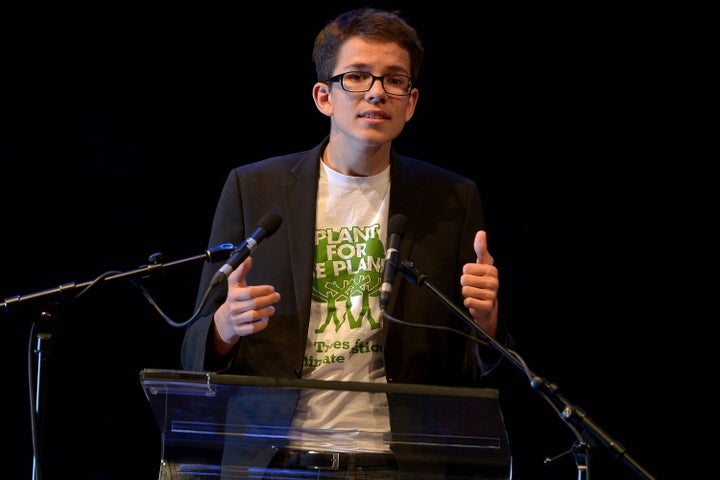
(227, 227)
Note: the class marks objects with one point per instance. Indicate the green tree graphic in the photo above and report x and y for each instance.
(339, 277)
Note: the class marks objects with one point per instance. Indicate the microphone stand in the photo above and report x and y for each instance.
(573, 416)
(45, 326)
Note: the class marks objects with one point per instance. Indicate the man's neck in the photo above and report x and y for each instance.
(365, 163)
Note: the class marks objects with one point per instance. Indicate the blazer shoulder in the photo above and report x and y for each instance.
(295, 163)
(411, 167)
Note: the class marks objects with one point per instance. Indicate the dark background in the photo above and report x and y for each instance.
(123, 119)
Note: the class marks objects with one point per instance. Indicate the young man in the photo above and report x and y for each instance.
(306, 304)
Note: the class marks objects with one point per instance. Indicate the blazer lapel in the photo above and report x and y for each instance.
(407, 200)
(300, 208)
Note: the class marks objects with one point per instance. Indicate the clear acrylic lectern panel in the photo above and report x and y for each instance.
(230, 426)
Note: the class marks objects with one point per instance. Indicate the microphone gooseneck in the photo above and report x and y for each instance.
(396, 229)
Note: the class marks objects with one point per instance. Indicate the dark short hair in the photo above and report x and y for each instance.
(369, 23)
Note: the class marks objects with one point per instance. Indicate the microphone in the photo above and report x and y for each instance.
(396, 228)
(267, 226)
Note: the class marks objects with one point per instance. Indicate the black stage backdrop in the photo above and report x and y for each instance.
(123, 119)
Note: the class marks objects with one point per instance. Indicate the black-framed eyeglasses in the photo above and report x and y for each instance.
(393, 83)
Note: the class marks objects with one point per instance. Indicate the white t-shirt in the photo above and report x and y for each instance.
(345, 336)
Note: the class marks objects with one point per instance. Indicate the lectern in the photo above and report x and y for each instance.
(230, 426)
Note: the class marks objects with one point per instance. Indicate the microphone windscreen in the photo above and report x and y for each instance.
(270, 222)
(397, 224)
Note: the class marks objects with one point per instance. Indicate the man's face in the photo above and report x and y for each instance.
(374, 117)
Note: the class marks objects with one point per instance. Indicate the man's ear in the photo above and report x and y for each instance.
(412, 103)
(322, 98)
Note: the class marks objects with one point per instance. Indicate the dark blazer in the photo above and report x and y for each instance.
(444, 212)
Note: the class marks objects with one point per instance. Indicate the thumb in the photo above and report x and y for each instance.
(481, 249)
(237, 276)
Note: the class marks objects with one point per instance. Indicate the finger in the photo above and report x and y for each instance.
(237, 276)
(481, 248)
(251, 327)
(241, 316)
